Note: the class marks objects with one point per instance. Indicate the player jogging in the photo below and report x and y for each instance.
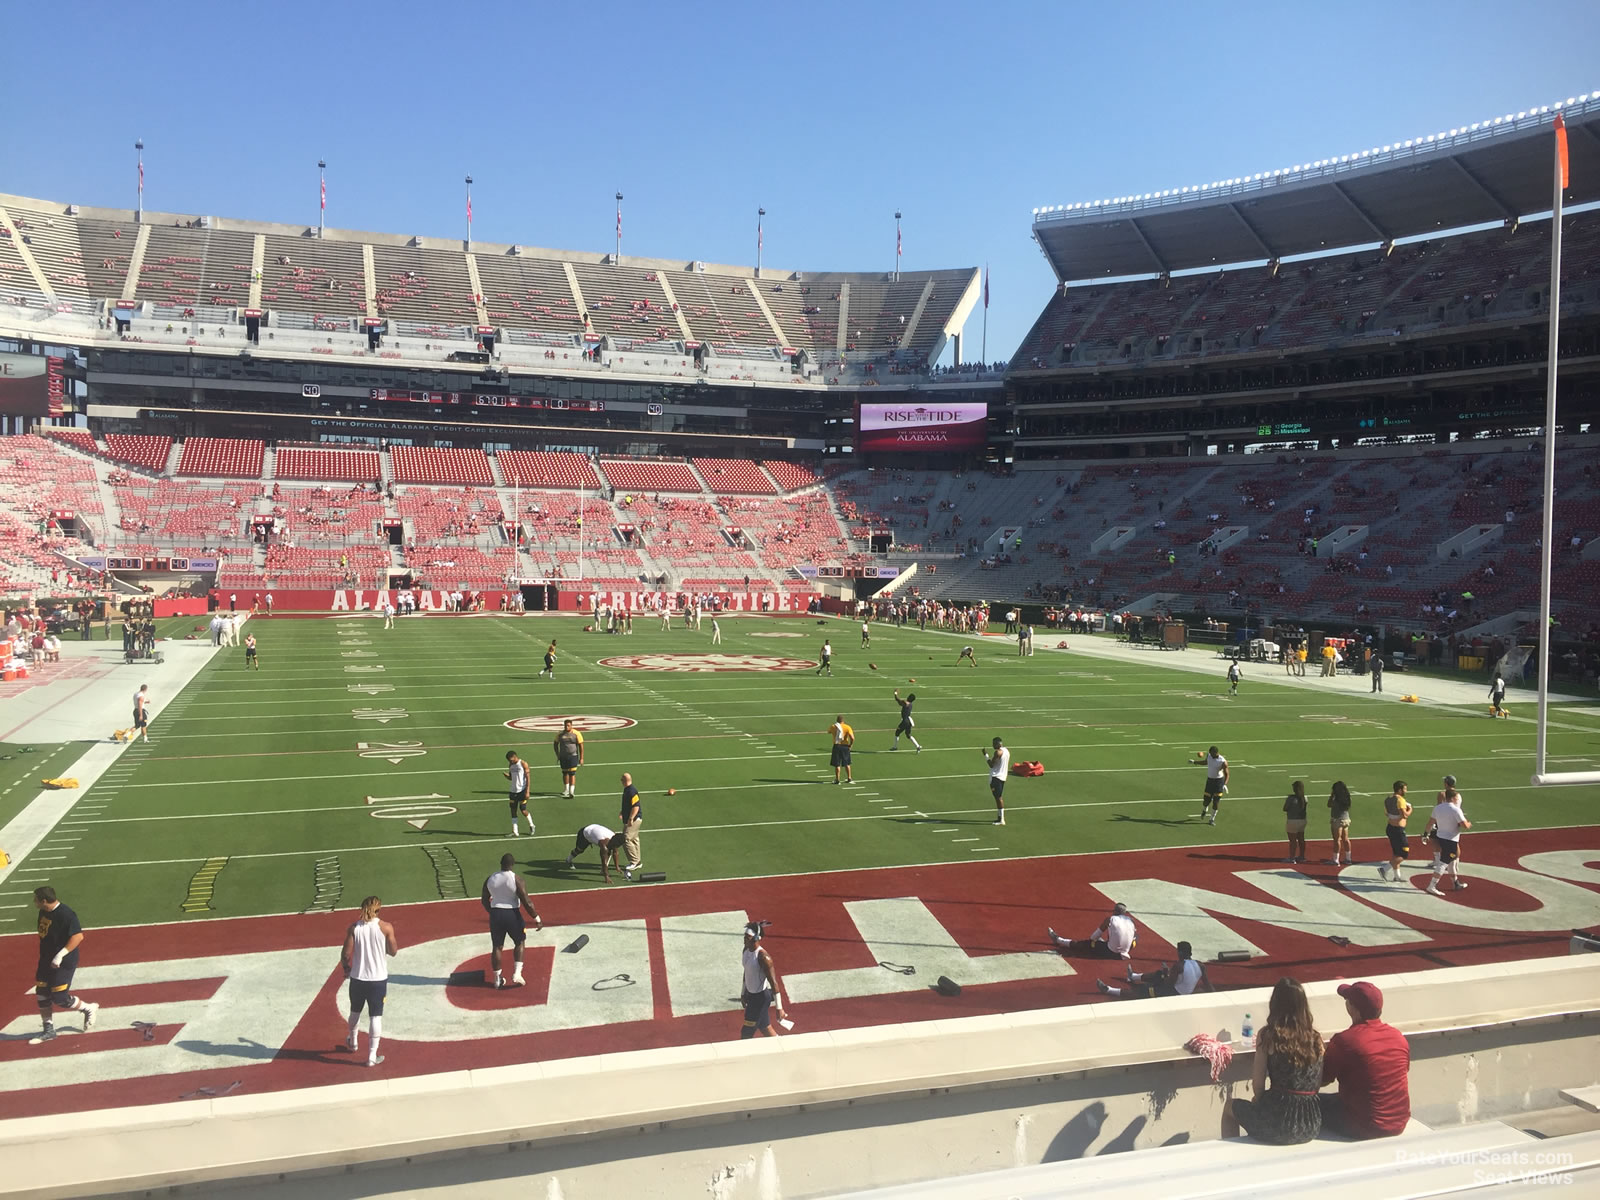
(60, 935)
(505, 899)
(368, 945)
(966, 653)
(866, 635)
(1398, 810)
(1216, 785)
(1445, 826)
(568, 746)
(252, 661)
(517, 773)
(759, 988)
(549, 660)
(827, 658)
(1234, 675)
(1497, 697)
(906, 723)
(999, 769)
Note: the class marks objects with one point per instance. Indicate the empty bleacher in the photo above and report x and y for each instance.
(629, 475)
(627, 303)
(734, 477)
(530, 297)
(547, 469)
(721, 311)
(430, 287)
(313, 277)
(807, 312)
(185, 266)
(436, 465)
(53, 239)
(229, 458)
(791, 477)
(148, 452)
(317, 463)
(80, 439)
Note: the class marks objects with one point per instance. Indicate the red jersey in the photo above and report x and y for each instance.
(1371, 1062)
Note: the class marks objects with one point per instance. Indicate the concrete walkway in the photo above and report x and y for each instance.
(90, 695)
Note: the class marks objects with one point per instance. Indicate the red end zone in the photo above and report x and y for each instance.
(256, 1003)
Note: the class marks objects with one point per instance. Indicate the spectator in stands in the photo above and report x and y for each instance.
(1289, 1051)
(1370, 1062)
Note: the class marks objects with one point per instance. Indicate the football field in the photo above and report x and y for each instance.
(362, 760)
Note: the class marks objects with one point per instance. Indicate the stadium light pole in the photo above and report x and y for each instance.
(138, 212)
(322, 179)
(898, 245)
(469, 212)
(618, 257)
(761, 214)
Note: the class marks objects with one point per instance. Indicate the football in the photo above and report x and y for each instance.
(874, 666)
(672, 791)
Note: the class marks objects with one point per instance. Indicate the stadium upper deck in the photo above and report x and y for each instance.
(77, 275)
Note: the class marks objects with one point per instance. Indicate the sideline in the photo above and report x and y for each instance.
(90, 720)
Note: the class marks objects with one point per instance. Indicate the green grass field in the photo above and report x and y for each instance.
(294, 788)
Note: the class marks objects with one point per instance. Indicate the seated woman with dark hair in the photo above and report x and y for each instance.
(1289, 1051)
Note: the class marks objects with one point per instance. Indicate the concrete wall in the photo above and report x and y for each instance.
(806, 1115)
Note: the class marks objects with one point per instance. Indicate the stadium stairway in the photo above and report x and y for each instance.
(269, 464)
(173, 456)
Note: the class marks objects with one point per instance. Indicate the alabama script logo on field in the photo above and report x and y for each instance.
(661, 965)
(706, 662)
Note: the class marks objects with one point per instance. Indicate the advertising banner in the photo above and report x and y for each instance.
(912, 427)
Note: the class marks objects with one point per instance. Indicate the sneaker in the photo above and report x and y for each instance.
(1001, 821)
(47, 1034)
(514, 832)
(1333, 862)
(346, 1047)
(919, 749)
(1433, 889)
(569, 860)
(1383, 871)
(1213, 819)
(638, 866)
(1349, 861)
(1130, 974)
(1460, 886)
(375, 1061)
(90, 1011)
(627, 874)
(517, 981)
(1105, 989)
(1054, 936)
(1291, 860)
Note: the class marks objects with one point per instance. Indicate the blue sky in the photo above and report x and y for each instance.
(831, 115)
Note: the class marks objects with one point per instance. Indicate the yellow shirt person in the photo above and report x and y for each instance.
(843, 738)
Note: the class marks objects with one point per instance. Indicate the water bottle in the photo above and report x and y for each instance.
(1247, 1033)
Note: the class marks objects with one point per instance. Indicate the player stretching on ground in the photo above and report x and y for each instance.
(1216, 784)
(505, 900)
(906, 723)
(610, 844)
(966, 653)
(368, 945)
(60, 935)
(251, 660)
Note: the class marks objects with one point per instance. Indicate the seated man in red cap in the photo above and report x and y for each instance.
(1370, 1061)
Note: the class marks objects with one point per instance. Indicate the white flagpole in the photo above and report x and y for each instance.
(1547, 527)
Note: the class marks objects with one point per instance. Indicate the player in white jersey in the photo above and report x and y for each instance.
(505, 900)
(999, 770)
(1445, 827)
(1216, 784)
(759, 989)
(368, 945)
(610, 844)
(1183, 978)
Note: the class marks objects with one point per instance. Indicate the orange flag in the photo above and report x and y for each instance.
(1561, 147)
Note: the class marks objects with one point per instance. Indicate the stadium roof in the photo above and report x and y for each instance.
(1495, 170)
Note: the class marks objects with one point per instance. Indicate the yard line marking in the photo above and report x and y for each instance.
(982, 849)
(963, 839)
